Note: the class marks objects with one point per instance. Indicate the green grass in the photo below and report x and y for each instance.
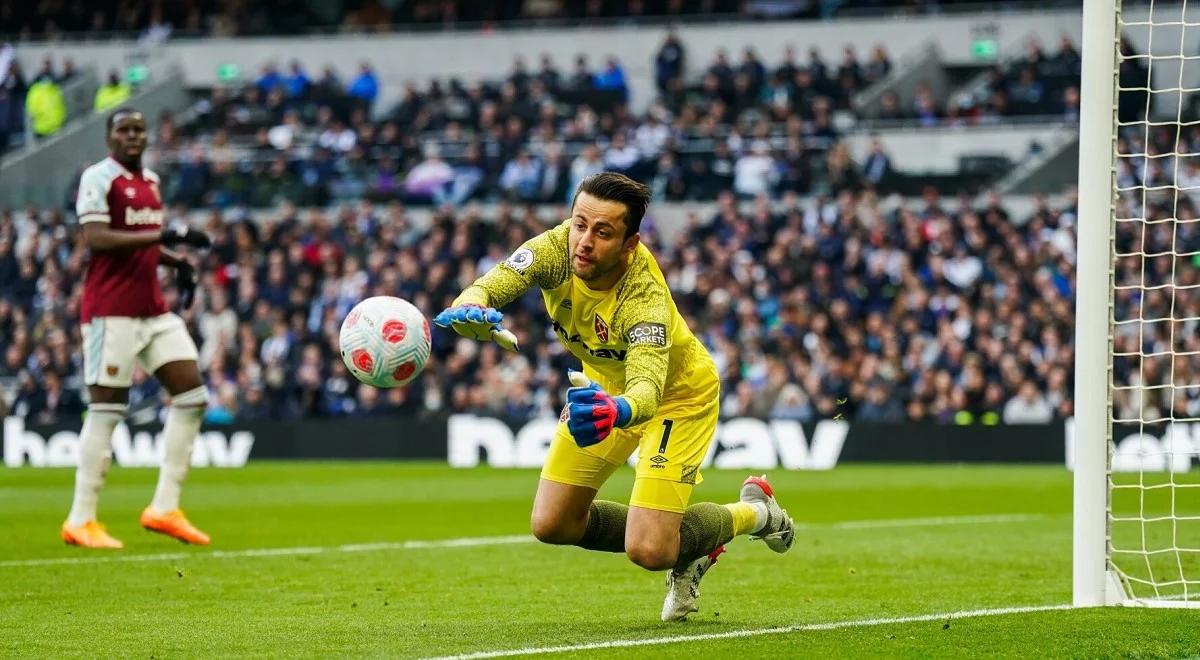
(446, 600)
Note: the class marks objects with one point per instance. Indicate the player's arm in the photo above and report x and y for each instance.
(102, 238)
(592, 413)
(541, 261)
(91, 207)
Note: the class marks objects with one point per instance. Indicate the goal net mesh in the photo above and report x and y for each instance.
(1154, 509)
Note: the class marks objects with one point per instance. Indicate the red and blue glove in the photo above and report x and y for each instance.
(592, 413)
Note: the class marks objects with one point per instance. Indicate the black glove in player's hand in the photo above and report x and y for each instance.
(182, 234)
(185, 282)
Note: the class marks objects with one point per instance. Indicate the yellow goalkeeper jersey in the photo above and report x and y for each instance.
(630, 338)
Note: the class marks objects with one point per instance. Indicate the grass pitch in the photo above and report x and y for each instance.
(408, 560)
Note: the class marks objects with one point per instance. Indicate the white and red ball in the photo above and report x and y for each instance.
(385, 341)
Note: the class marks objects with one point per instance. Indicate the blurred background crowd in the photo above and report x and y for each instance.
(819, 293)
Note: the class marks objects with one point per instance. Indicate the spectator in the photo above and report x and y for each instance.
(877, 166)
(612, 78)
(113, 93)
(879, 66)
(1028, 407)
(755, 172)
(621, 156)
(586, 164)
(218, 328)
(45, 106)
(297, 83)
(429, 177)
(669, 63)
(521, 178)
(582, 80)
(365, 86)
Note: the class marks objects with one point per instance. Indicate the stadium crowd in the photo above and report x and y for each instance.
(817, 299)
(830, 306)
(221, 18)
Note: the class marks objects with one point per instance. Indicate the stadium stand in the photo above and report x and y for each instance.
(826, 306)
(820, 296)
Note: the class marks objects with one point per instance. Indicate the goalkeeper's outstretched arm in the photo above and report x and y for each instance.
(542, 261)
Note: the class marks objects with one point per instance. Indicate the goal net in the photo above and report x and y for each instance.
(1137, 519)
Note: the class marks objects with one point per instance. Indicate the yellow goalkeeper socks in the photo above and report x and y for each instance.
(745, 517)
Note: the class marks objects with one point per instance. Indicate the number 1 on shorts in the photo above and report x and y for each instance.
(662, 446)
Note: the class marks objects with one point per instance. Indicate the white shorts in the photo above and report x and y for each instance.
(113, 344)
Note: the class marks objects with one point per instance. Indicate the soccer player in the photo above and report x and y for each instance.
(647, 384)
(125, 321)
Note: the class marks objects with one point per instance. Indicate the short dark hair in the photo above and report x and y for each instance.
(112, 119)
(616, 187)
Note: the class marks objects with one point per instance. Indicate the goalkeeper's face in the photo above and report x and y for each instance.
(599, 249)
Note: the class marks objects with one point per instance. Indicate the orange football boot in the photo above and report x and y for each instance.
(90, 534)
(175, 525)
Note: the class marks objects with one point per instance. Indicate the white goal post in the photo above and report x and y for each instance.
(1137, 325)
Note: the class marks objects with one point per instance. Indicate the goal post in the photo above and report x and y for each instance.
(1136, 531)
(1093, 277)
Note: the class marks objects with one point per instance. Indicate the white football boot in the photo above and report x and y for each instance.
(780, 531)
(683, 587)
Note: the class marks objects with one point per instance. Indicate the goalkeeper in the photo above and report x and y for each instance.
(647, 384)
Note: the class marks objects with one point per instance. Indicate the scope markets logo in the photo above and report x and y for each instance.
(141, 449)
(740, 443)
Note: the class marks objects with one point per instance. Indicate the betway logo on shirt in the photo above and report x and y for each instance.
(607, 353)
(143, 217)
(740, 443)
(141, 449)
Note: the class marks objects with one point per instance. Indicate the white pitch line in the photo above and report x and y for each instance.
(471, 542)
(929, 522)
(752, 632)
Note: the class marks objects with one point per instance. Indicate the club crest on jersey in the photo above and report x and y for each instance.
(601, 329)
(111, 370)
(520, 260)
(130, 193)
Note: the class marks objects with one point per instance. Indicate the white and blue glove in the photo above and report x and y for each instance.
(477, 322)
(592, 413)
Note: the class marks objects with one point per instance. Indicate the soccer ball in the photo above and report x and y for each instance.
(385, 341)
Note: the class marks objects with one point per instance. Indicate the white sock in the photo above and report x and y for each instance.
(179, 433)
(760, 516)
(95, 457)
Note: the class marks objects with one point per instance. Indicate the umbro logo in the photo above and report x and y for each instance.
(659, 459)
(566, 304)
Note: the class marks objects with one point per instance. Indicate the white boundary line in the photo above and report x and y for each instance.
(471, 542)
(753, 632)
(929, 522)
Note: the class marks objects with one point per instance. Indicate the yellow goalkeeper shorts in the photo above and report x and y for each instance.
(670, 449)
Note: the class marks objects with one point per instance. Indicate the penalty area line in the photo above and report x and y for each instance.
(752, 632)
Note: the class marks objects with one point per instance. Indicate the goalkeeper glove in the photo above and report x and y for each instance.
(592, 413)
(479, 323)
(185, 282)
(181, 234)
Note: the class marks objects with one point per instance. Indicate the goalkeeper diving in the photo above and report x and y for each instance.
(647, 384)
